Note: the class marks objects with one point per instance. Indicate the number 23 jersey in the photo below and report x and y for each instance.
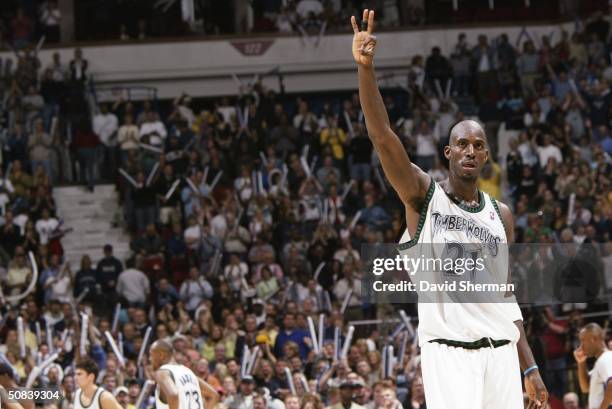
(187, 385)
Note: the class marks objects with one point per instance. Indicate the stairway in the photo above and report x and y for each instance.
(91, 215)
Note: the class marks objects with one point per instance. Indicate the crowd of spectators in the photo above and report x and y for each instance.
(23, 21)
(234, 207)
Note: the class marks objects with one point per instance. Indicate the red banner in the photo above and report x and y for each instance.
(252, 48)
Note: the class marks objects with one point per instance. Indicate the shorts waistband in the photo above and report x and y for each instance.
(481, 343)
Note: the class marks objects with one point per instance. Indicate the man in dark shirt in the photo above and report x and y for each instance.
(143, 197)
(437, 67)
(107, 271)
(150, 244)
(166, 294)
(10, 236)
(598, 26)
(168, 206)
(360, 155)
(291, 333)
(599, 104)
(86, 279)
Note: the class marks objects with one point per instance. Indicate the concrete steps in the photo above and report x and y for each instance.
(91, 215)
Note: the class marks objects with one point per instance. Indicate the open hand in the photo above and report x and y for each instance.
(363, 40)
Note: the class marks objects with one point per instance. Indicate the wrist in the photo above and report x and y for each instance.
(531, 370)
(363, 66)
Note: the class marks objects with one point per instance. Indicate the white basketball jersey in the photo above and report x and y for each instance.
(443, 221)
(95, 400)
(187, 385)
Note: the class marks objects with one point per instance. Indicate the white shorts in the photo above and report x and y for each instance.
(458, 378)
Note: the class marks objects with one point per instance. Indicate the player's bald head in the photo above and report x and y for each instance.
(466, 127)
(592, 338)
(162, 347)
(593, 329)
(160, 353)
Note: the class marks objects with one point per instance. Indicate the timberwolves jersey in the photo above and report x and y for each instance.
(95, 399)
(457, 232)
(187, 385)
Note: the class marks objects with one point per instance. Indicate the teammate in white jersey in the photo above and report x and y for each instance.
(88, 394)
(177, 386)
(597, 382)
(472, 353)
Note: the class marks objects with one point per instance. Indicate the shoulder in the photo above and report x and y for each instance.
(605, 360)
(163, 373)
(104, 395)
(504, 209)
(506, 215)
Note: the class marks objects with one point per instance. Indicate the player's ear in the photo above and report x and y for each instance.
(447, 152)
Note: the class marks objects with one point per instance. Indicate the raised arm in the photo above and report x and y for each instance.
(408, 180)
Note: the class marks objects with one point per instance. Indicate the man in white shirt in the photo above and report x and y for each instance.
(549, 151)
(194, 290)
(45, 226)
(133, 285)
(193, 233)
(154, 129)
(305, 7)
(50, 17)
(597, 382)
(105, 125)
(60, 71)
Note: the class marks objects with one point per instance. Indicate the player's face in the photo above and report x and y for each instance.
(467, 154)
(82, 378)
(587, 343)
(153, 357)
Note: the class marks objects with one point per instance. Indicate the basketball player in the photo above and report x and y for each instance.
(470, 351)
(177, 386)
(88, 394)
(592, 345)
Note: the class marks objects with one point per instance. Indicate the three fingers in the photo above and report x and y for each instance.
(367, 25)
(367, 22)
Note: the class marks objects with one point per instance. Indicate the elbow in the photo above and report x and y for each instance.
(381, 141)
(378, 132)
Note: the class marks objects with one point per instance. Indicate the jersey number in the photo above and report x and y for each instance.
(193, 399)
(459, 253)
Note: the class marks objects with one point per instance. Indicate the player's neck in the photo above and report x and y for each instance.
(462, 189)
(89, 390)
